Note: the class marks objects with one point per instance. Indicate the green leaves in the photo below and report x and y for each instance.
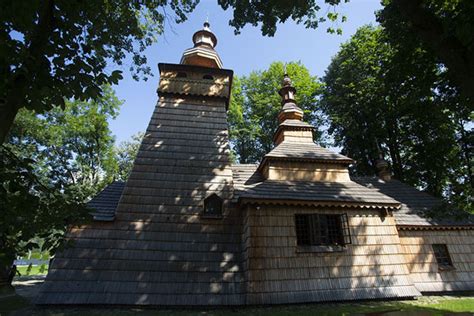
(51, 165)
(125, 154)
(30, 206)
(64, 51)
(255, 105)
(268, 14)
(385, 98)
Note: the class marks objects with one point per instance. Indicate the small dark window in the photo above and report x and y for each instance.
(322, 230)
(213, 205)
(208, 77)
(181, 75)
(442, 256)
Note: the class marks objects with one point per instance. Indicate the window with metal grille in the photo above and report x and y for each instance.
(322, 229)
(442, 256)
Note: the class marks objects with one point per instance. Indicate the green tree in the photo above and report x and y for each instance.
(443, 27)
(51, 165)
(268, 14)
(126, 152)
(54, 50)
(74, 145)
(255, 106)
(31, 209)
(384, 100)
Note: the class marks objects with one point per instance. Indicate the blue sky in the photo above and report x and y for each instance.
(241, 53)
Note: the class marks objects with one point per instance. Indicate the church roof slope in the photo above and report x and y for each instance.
(104, 204)
(249, 185)
(415, 204)
(306, 151)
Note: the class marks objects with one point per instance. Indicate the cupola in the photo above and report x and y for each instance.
(296, 157)
(291, 127)
(289, 111)
(203, 53)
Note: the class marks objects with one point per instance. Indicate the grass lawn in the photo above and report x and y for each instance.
(431, 305)
(35, 270)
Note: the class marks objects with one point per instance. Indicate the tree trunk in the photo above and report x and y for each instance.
(19, 83)
(466, 152)
(7, 272)
(8, 113)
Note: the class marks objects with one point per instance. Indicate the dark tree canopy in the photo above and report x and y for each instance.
(54, 50)
(385, 100)
(442, 27)
(272, 12)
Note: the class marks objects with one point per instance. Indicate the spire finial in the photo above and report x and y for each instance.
(206, 23)
(287, 92)
(381, 165)
(286, 79)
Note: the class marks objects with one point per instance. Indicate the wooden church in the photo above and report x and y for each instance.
(189, 228)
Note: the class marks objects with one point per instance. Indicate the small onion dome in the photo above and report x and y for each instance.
(287, 91)
(205, 36)
(286, 81)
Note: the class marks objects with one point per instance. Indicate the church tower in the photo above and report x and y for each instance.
(175, 238)
(296, 157)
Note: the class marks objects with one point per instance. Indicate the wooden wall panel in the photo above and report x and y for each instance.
(372, 267)
(421, 262)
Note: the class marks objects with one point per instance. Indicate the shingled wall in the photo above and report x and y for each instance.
(278, 272)
(159, 250)
(424, 270)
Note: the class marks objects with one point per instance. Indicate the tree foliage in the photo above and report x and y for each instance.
(255, 105)
(384, 100)
(54, 50)
(73, 146)
(31, 209)
(270, 13)
(443, 27)
(51, 165)
(126, 152)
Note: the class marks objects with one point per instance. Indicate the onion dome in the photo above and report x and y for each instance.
(203, 53)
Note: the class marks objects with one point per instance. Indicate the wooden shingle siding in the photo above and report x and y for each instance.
(372, 267)
(159, 251)
(424, 271)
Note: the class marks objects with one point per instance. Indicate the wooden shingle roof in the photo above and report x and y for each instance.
(305, 151)
(415, 204)
(104, 204)
(159, 250)
(250, 186)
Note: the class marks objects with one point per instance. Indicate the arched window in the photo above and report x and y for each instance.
(212, 205)
(208, 77)
(181, 75)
